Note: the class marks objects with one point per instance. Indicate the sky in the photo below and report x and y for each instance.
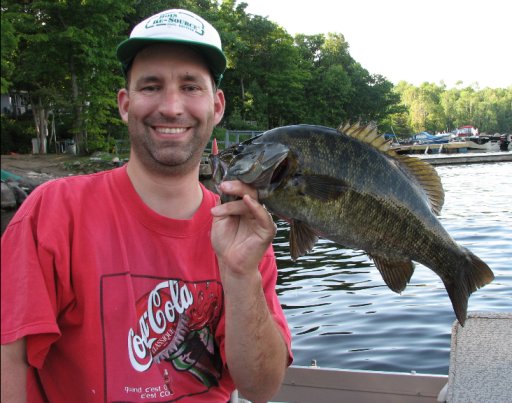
(415, 41)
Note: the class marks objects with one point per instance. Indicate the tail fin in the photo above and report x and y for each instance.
(474, 274)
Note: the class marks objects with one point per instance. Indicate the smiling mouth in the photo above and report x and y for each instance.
(168, 130)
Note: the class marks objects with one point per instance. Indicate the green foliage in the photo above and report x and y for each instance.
(278, 80)
(256, 103)
(219, 133)
(98, 142)
(64, 56)
(9, 46)
(235, 122)
(17, 136)
(433, 108)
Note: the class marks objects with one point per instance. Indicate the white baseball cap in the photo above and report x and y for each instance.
(178, 26)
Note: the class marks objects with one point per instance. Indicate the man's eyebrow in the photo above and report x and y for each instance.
(146, 79)
(194, 78)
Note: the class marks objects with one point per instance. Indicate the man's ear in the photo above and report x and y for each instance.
(219, 105)
(123, 101)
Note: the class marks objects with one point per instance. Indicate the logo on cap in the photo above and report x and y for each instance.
(177, 19)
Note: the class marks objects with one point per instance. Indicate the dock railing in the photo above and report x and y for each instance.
(232, 137)
(122, 146)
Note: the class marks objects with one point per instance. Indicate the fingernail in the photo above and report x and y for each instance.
(215, 210)
(228, 185)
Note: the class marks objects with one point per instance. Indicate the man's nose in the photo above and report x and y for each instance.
(171, 103)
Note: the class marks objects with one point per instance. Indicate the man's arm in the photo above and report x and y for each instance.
(256, 352)
(14, 371)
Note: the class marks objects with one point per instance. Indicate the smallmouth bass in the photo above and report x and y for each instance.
(350, 187)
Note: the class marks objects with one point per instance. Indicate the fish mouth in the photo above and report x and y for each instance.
(279, 172)
(263, 168)
(219, 169)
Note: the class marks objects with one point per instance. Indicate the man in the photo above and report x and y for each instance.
(137, 284)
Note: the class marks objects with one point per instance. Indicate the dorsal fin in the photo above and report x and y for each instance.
(368, 135)
(428, 179)
(424, 173)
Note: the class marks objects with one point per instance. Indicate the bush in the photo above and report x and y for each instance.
(218, 133)
(97, 142)
(17, 136)
(235, 122)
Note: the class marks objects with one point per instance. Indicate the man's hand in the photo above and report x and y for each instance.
(242, 230)
(256, 352)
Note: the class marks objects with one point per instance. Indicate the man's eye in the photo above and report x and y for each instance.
(191, 88)
(150, 88)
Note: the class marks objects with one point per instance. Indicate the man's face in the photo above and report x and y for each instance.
(170, 108)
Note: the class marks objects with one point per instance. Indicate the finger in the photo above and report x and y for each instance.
(215, 210)
(261, 215)
(237, 207)
(238, 188)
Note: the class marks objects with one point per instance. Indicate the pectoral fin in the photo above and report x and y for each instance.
(396, 273)
(323, 188)
(302, 239)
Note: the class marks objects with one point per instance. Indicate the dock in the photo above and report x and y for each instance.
(447, 148)
(469, 158)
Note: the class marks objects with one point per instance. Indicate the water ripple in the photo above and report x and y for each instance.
(342, 314)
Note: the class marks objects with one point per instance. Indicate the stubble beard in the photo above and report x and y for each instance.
(171, 157)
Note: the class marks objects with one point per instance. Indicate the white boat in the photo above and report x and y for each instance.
(465, 131)
(485, 143)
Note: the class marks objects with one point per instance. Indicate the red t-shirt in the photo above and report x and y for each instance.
(117, 303)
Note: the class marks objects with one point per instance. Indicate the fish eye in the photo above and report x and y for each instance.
(239, 149)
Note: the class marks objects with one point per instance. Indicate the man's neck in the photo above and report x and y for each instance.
(171, 196)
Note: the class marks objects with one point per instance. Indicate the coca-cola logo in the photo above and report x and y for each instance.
(162, 323)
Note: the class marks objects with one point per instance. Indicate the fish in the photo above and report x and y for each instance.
(349, 186)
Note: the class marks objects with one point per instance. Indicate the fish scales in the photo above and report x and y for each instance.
(359, 195)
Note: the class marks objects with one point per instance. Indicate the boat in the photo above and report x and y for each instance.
(482, 347)
(6, 175)
(427, 138)
(465, 131)
(486, 143)
(505, 142)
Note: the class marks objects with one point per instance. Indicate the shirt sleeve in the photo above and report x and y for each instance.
(29, 303)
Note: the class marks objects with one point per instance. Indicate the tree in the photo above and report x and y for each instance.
(261, 56)
(435, 108)
(9, 46)
(66, 61)
(68, 48)
(335, 91)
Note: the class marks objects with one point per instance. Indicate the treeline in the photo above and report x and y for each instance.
(277, 80)
(434, 108)
(63, 55)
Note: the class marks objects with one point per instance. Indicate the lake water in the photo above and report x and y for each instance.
(342, 314)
